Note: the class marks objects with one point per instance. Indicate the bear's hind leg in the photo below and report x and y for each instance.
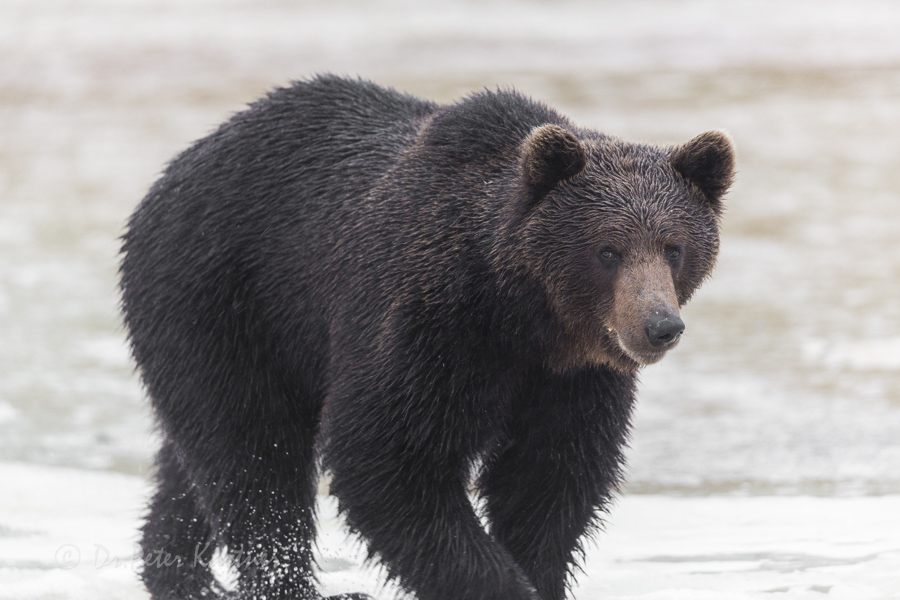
(177, 540)
(267, 516)
(270, 546)
(260, 486)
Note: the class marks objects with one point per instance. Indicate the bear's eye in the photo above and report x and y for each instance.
(609, 256)
(673, 255)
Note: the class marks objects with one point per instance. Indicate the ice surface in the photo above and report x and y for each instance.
(70, 534)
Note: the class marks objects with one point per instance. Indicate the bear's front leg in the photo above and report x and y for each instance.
(401, 480)
(546, 482)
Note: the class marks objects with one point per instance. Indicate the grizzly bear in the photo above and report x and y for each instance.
(421, 300)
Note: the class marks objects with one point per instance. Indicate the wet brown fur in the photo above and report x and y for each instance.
(347, 276)
(629, 197)
(644, 287)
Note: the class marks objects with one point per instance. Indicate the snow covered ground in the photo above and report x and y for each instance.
(70, 534)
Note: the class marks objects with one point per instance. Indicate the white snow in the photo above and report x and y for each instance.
(71, 534)
(863, 355)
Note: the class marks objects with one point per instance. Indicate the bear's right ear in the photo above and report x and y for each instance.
(550, 154)
(708, 162)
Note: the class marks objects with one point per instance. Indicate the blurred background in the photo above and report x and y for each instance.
(787, 381)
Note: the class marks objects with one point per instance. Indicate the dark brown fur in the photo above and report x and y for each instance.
(630, 205)
(401, 290)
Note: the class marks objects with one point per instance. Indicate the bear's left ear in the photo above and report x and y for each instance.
(708, 161)
(550, 154)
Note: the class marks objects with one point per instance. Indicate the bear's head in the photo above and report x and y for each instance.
(619, 235)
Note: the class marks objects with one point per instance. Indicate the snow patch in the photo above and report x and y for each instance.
(863, 355)
(71, 534)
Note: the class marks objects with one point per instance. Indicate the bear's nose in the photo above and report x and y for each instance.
(664, 330)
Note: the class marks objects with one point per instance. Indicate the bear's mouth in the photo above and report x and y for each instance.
(642, 354)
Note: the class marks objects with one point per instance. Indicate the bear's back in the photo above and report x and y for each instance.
(245, 221)
(289, 161)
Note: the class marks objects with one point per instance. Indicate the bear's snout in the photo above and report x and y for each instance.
(646, 318)
(663, 329)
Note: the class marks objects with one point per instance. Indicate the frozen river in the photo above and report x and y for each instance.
(766, 449)
(70, 534)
